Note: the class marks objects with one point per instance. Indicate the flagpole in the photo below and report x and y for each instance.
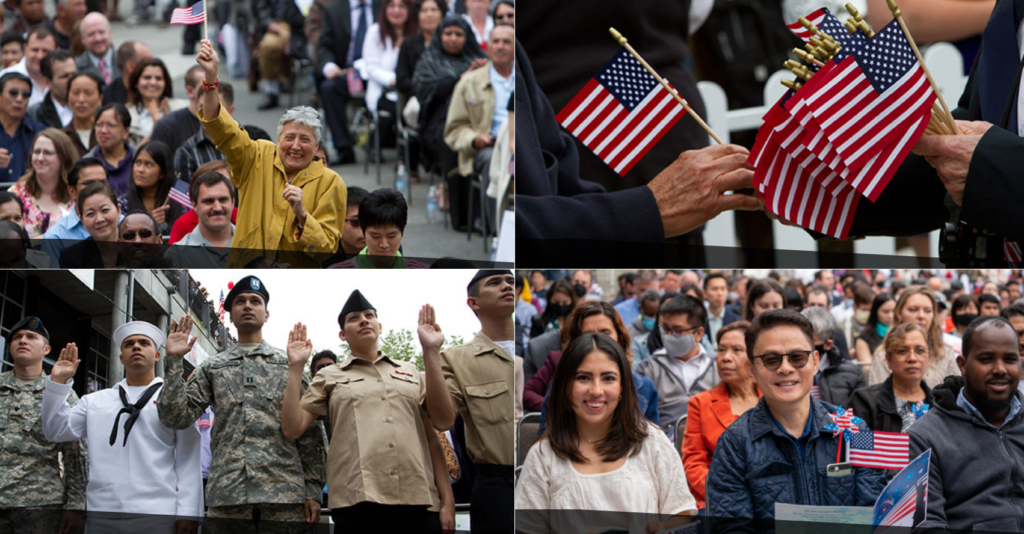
(206, 28)
(622, 41)
(948, 117)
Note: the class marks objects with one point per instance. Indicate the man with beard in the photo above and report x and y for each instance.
(976, 434)
(258, 477)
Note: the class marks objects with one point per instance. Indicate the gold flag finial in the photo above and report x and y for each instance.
(617, 36)
(896, 13)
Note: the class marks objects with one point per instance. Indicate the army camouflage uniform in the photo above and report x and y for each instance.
(33, 496)
(255, 469)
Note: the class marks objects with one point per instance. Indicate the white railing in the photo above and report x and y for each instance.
(944, 62)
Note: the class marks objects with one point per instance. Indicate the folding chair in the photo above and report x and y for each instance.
(526, 434)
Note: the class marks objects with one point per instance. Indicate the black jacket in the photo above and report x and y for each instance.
(876, 405)
(840, 379)
(994, 192)
(337, 33)
(976, 477)
(46, 113)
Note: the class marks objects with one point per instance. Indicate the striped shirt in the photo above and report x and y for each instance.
(197, 150)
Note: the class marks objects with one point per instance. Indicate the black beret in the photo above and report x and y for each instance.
(356, 302)
(32, 323)
(249, 284)
(485, 273)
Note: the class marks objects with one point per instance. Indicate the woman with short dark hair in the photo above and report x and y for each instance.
(599, 453)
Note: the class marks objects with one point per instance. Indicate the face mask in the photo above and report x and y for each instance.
(821, 350)
(861, 316)
(848, 303)
(560, 310)
(581, 290)
(677, 346)
(964, 319)
(649, 323)
(733, 296)
(881, 329)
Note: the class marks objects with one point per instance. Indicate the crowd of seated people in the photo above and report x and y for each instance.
(107, 111)
(756, 405)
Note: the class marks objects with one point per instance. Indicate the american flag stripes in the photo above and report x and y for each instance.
(179, 194)
(880, 450)
(842, 135)
(193, 14)
(621, 112)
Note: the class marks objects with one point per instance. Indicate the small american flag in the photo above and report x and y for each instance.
(220, 308)
(179, 194)
(816, 391)
(815, 19)
(880, 450)
(189, 15)
(621, 112)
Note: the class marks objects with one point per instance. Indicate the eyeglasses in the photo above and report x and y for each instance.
(677, 331)
(14, 93)
(798, 359)
(904, 353)
(353, 222)
(130, 234)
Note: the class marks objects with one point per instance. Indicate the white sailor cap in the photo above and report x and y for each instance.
(135, 328)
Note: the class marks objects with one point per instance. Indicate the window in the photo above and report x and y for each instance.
(98, 360)
(12, 310)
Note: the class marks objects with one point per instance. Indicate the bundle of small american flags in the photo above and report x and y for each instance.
(841, 131)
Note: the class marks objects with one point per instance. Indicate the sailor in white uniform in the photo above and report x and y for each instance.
(142, 475)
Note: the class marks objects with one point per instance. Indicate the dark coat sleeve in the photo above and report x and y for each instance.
(552, 202)
(863, 406)
(406, 65)
(537, 386)
(334, 38)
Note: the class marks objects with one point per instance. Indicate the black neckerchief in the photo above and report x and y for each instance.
(133, 411)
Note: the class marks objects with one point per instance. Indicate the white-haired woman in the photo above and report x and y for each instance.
(290, 205)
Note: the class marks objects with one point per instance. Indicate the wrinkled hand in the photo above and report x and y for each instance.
(178, 342)
(483, 141)
(951, 155)
(429, 331)
(5, 158)
(312, 511)
(299, 349)
(71, 523)
(692, 190)
(293, 195)
(67, 364)
(184, 526)
(208, 60)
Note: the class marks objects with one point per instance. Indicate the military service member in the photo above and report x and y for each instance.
(477, 378)
(33, 497)
(386, 466)
(257, 473)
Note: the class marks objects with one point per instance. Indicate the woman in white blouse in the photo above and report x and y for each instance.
(150, 97)
(380, 52)
(599, 454)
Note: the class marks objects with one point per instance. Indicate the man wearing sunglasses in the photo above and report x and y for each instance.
(780, 450)
(141, 245)
(682, 367)
(18, 129)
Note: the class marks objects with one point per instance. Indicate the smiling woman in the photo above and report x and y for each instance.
(290, 202)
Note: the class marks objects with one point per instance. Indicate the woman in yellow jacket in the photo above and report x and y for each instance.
(290, 206)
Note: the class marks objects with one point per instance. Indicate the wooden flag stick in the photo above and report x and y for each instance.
(622, 41)
(206, 16)
(947, 116)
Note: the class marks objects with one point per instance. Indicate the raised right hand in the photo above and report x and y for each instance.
(299, 347)
(67, 364)
(160, 213)
(178, 343)
(692, 190)
(429, 331)
(208, 60)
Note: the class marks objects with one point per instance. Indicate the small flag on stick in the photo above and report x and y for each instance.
(880, 450)
(189, 15)
(179, 193)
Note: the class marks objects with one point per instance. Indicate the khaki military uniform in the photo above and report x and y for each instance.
(379, 453)
(30, 469)
(253, 463)
(480, 379)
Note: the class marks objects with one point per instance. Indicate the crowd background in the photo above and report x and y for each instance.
(886, 339)
(232, 24)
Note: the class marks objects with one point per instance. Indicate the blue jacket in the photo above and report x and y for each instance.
(756, 464)
(646, 395)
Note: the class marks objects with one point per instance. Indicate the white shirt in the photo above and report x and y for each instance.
(158, 472)
(65, 114)
(690, 370)
(488, 26)
(652, 482)
(381, 60)
(38, 92)
(508, 346)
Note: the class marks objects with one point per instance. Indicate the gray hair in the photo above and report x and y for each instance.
(822, 321)
(302, 115)
(650, 294)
